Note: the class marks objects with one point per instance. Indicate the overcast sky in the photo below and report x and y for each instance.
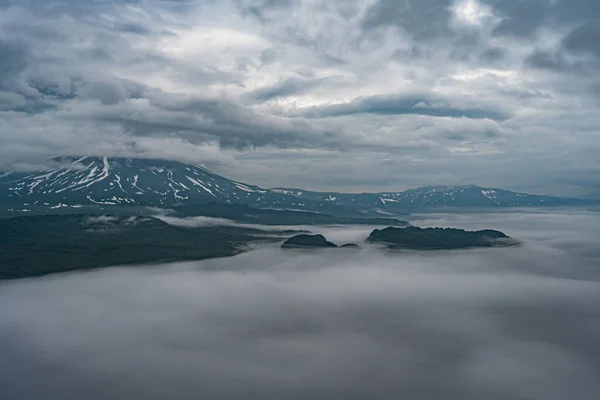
(340, 95)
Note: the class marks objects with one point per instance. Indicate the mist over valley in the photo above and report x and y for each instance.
(502, 323)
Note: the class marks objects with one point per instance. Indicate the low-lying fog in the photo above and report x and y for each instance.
(509, 323)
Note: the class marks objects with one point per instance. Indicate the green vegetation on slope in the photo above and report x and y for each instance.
(307, 241)
(438, 238)
(244, 213)
(40, 245)
(236, 212)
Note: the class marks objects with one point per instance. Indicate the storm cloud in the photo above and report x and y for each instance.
(497, 324)
(443, 89)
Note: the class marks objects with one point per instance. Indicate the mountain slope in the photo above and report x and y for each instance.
(103, 181)
(107, 182)
(435, 197)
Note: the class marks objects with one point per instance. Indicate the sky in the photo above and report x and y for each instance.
(500, 324)
(359, 95)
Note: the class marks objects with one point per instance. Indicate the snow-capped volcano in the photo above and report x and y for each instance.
(107, 181)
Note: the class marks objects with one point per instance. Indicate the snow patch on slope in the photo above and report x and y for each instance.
(195, 182)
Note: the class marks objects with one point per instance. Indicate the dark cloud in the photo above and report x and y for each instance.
(578, 52)
(133, 27)
(108, 93)
(407, 55)
(493, 55)
(11, 101)
(284, 88)
(82, 6)
(263, 10)
(520, 18)
(421, 19)
(574, 11)
(270, 324)
(523, 18)
(14, 59)
(203, 120)
(552, 60)
(430, 105)
(584, 39)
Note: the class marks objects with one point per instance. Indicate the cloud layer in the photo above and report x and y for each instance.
(450, 92)
(343, 324)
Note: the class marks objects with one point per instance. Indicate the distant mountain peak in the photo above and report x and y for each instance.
(435, 197)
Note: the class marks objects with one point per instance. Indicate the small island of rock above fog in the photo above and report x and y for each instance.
(307, 241)
(438, 238)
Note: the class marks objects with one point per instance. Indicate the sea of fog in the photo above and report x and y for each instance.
(506, 323)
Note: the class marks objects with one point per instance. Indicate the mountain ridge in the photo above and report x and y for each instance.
(431, 197)
(118, 181)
